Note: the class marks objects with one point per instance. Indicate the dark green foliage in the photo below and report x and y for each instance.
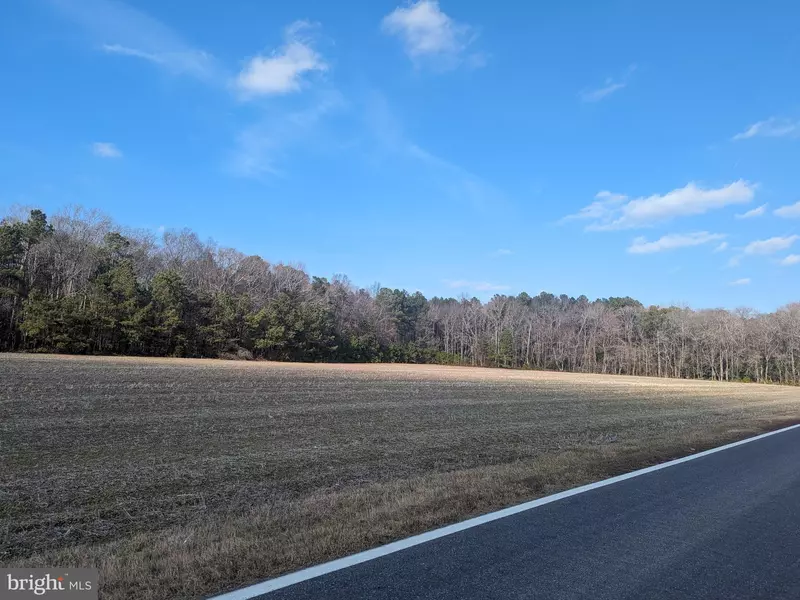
(359, 348)
(446, 358)
(503, 354)
(227, 330)
(617, 303)
(55, 325)
(289, 329)
(16, 240)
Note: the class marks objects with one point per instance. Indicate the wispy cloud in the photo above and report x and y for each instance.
(722, 247)
(284, 70)
(106, 150)
(501, 252)
(261, 145)
(455, 181)
(772, 127)
(476, 286)
(118, 49)
(616, 211)
(771, 245)
(673, 241)
(119, 29)
(791, 211)
(756, 212)
(790, 260)
(610, 86)
(605, 204)
(742, 281)
(428, 34)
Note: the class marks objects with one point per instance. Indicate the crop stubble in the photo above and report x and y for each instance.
(184, 478)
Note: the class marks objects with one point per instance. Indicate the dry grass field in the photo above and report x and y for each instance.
(185, 478)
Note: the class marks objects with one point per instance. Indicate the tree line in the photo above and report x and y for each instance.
(78, 283)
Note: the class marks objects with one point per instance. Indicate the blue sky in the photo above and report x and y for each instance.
(598, 148)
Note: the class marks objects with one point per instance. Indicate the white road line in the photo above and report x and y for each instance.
(348, 561)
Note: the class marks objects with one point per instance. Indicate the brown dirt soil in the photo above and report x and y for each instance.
(185, 478)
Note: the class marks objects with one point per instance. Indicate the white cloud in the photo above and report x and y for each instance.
(756, 212)
(120, 29)
(106, 150)
(429, 33)
(722, 247)
(609, 87)
(284, 70)
(616, 211)
(742, 281)
(501, 252)
(772, 127)
(476, 286)
(672, 241)
(792, 259)
(771, 245)
(791, 211)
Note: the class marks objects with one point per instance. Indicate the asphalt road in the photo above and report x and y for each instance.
(725, 526)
